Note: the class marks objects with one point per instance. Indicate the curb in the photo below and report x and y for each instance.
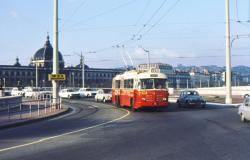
(34, 120)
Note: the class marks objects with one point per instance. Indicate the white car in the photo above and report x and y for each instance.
(17, 92)
(87, 92)
(38, 93)
(244, 110)
(104, 95)
(69, 93)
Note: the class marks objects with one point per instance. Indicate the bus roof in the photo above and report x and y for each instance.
(140, 75)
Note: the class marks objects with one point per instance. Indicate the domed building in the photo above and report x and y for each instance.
(44, 56)
(41, 65)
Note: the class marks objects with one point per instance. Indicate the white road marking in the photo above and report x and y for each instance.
(64, 134)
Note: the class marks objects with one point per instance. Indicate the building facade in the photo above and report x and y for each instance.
(36, 73)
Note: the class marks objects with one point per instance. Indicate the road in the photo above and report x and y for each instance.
(96, 131)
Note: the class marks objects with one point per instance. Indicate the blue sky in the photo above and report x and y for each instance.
(188, 32)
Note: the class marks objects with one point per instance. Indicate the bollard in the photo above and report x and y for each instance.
(38, 106)
(30, 109)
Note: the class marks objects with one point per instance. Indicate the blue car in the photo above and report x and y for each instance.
(190, 98)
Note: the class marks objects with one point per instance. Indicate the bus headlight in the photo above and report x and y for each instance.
(144, 99)
(164, 99)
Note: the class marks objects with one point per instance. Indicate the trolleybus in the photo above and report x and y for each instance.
(140, 89)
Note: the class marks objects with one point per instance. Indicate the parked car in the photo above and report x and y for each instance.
(87, 92)
(190, 98)
(244, 110)
(38, 93)
(69, 93)
(104, 95)
(17, 91)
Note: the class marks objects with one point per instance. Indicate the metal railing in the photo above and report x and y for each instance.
(30, 109)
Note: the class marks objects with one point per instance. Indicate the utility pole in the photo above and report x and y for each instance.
(55, 55)
(228, 57)
(36, 74)
(148, 58)
(82, 61)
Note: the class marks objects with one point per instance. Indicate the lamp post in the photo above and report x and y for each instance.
(228, 56)
(36, 74)
(147, 51)
(82, 65)
(4, 82)
(55, 56)
(31, 82)
(73, 79)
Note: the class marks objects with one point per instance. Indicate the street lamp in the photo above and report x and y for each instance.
(73, 79)
(147, 51)
(82, 64)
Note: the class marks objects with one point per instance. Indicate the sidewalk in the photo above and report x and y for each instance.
(13, 119)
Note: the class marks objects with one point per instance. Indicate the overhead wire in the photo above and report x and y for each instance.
(104, 12)
(150, 19)
(237, 11)
(163, 16)
(74, 12)
(143, 12)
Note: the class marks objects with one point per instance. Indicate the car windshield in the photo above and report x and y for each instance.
(153, 83)
(107, 90)
(70, 90)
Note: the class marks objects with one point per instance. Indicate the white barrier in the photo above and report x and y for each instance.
(237, 91)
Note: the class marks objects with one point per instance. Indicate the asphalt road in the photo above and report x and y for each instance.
(96, 131)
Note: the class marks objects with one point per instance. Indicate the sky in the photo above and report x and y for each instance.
(115, 33)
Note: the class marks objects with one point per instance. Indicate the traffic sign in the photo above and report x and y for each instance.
(57, 77)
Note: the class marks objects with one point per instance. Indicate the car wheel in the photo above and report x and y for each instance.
(242, 118)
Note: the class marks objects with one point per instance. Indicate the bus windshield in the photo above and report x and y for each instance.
(153, 83)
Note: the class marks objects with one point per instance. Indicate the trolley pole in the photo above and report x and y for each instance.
(55, 55)
(228, 57)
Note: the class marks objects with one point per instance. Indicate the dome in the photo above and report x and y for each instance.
(45, 56)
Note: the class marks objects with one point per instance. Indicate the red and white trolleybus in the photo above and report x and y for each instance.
(140, 89)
